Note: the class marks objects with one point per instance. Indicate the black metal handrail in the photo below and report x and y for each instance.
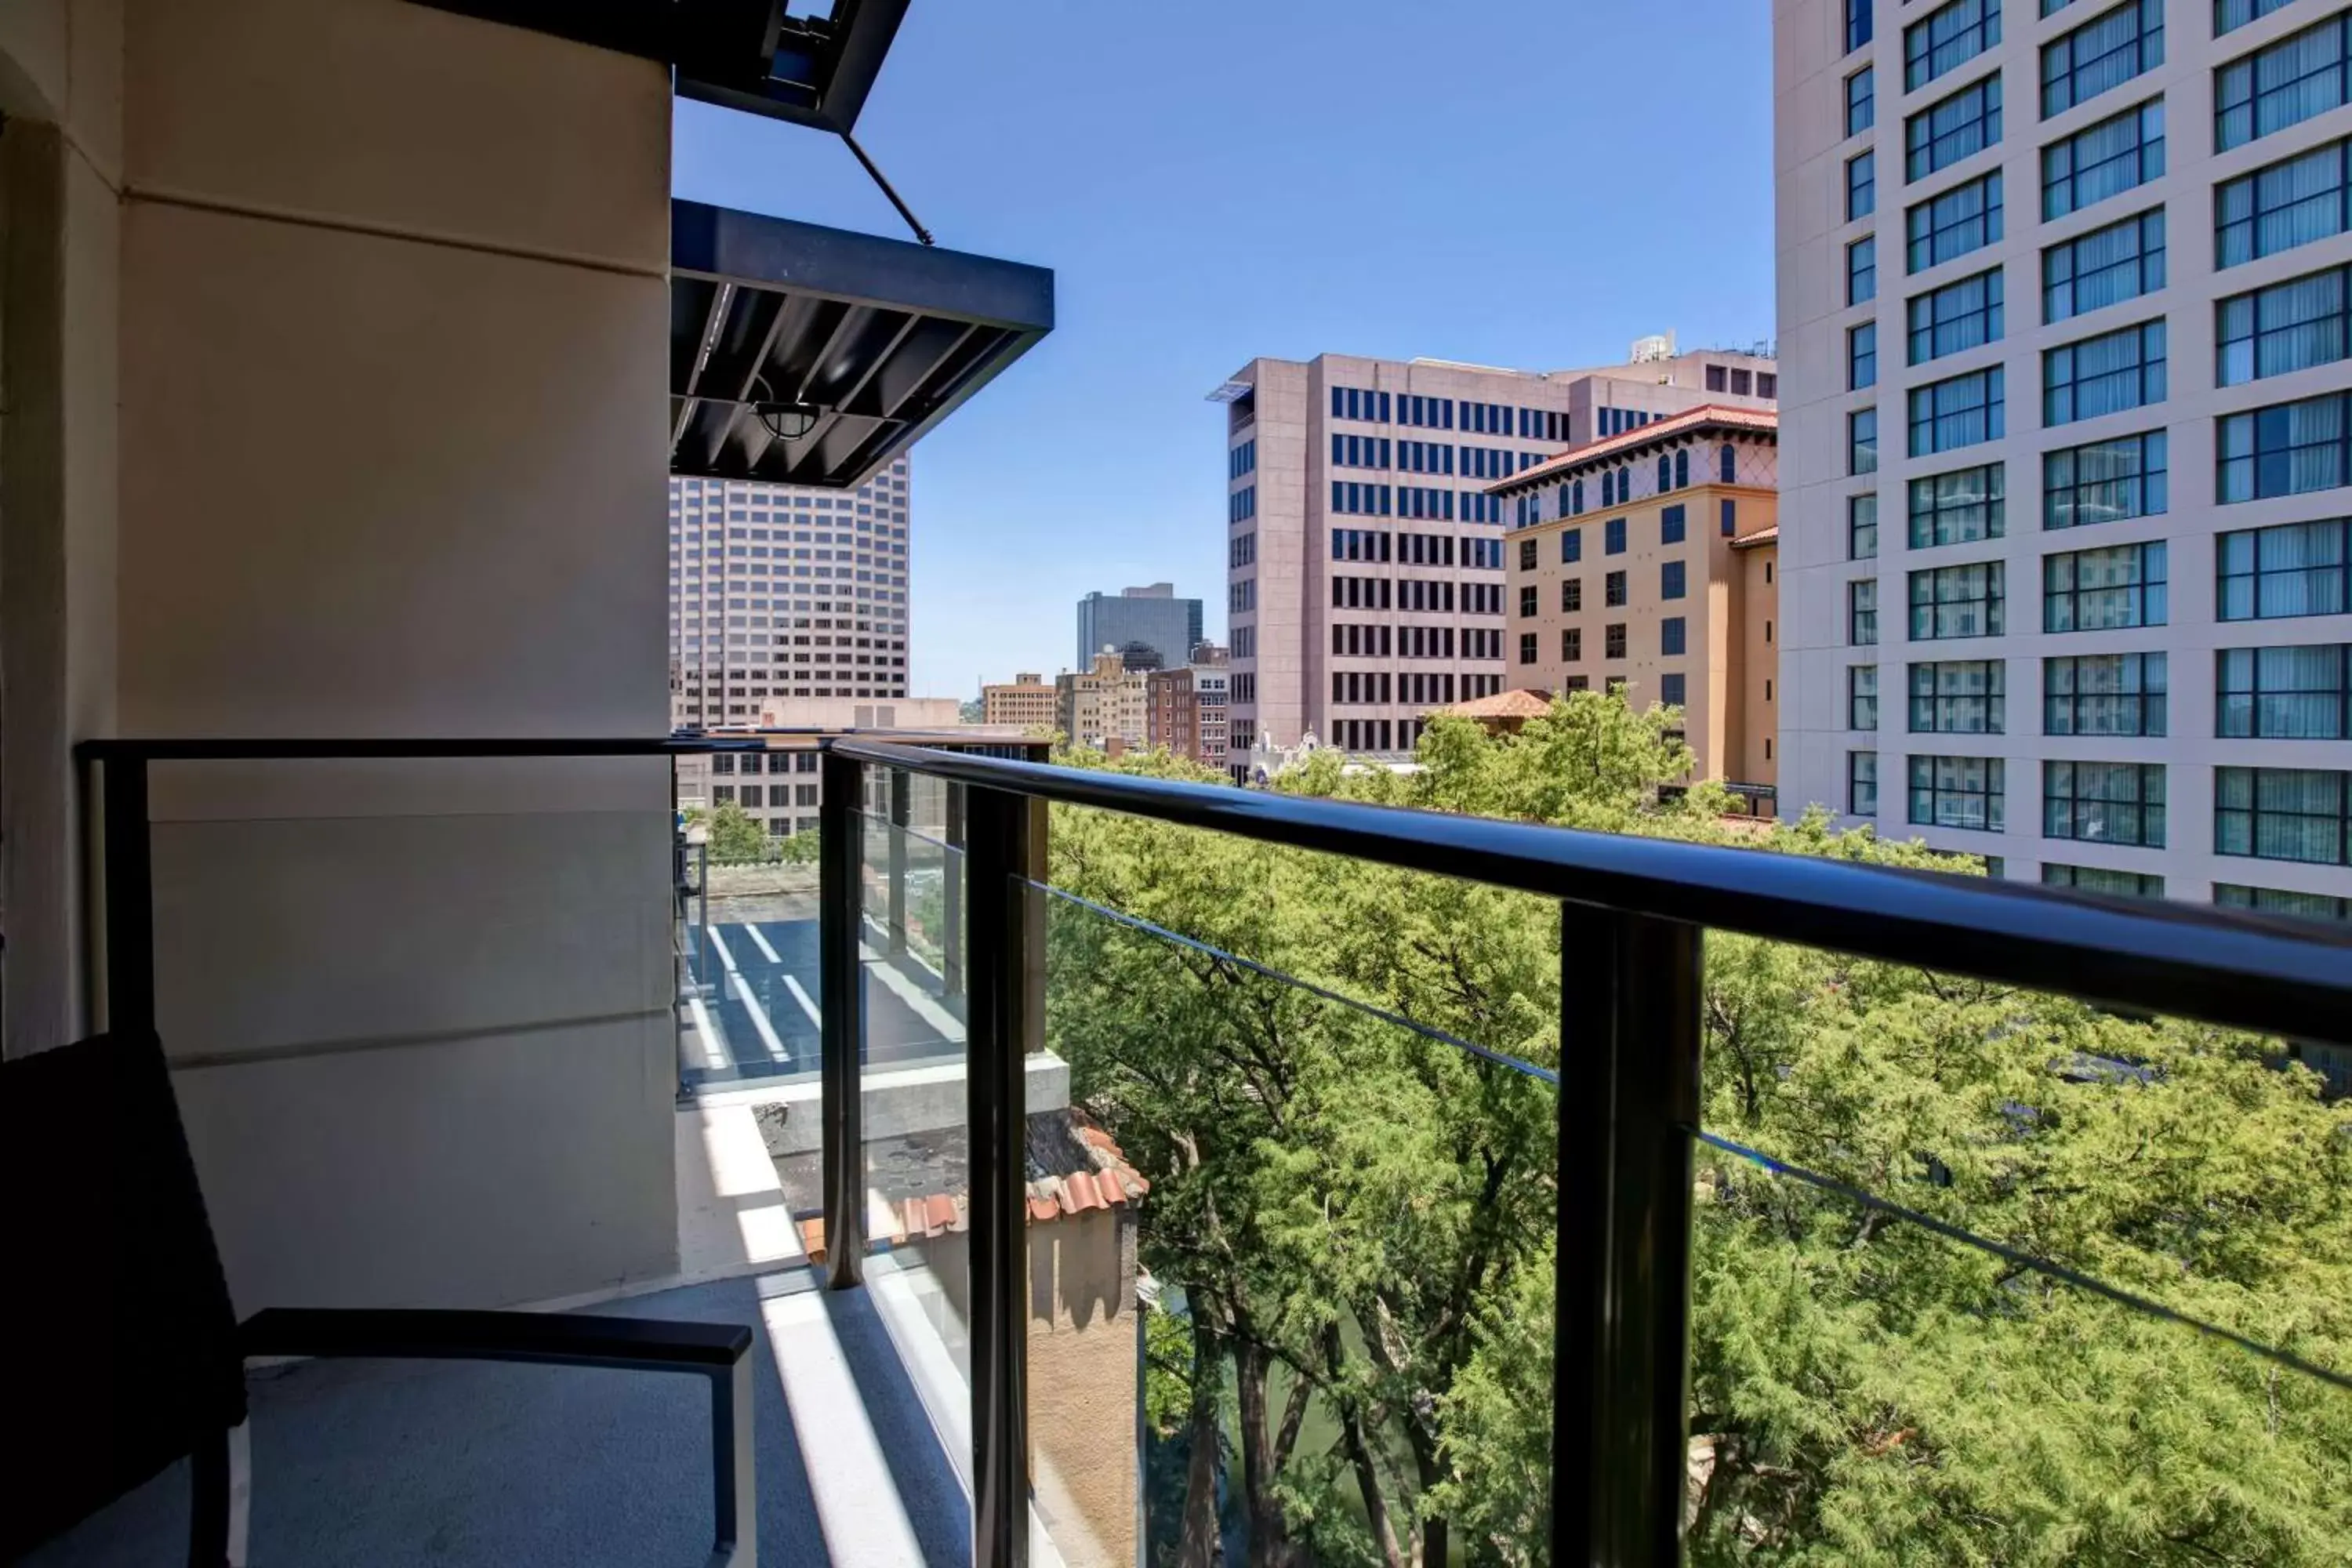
(2232, 968)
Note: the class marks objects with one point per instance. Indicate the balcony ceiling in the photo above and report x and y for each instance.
(882, 338)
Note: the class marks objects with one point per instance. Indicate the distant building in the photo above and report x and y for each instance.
(1364, 553)
(1027, 700)
(1647, 561)
(1105, 706)
(1152, 616)
(781, 788)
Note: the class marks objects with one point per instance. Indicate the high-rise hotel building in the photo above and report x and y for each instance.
(784, 591)
(2066, 442)
(1366, 576)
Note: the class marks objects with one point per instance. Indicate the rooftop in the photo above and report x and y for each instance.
(1659, 432)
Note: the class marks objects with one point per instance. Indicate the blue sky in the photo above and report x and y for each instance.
(1528, 183)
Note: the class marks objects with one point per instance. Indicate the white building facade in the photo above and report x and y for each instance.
(2063, 311)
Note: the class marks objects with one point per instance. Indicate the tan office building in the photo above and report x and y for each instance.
(1365, 575)
(1647, 561)
(1108, 703)
(1027, 700)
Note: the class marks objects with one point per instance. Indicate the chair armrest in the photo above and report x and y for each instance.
(570, 1339)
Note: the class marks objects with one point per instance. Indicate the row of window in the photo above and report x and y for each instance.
(2296, 693)
(1372, 406)
(2268, 814)
(1428, 456)
(777, 762)
(1673, 641)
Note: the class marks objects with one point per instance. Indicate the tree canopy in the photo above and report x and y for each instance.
(1359, 1215)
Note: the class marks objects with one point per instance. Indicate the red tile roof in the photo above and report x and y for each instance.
(1513, 704)
(1073, 1168)
(1762, 536)
(1625, 442)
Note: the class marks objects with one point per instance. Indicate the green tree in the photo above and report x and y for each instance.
(735, 834)
(1361, 1218)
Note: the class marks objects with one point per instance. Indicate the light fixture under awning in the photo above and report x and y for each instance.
(881, 337)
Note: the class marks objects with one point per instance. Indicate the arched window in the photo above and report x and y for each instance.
(1724, 463)
(1666, 473)
(1682, 466)
(1576, 498)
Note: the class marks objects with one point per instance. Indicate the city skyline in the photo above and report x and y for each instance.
(1088, 464)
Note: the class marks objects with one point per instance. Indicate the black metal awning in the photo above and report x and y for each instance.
(867, 342)
(751, 55)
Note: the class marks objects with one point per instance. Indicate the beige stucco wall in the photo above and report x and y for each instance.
(1082, 1385)
(356, 341)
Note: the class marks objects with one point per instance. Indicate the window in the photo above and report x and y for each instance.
(1571, 644)
(2286, 449)
(2103, 268)
(2284, 693)
(1947, 38)
(1956, 792)
(2099, 880)
(1526, 554)
(1613, 536)
(1860, 185)
(2101, 590)
(1957, 508)
(1956, 602)
(2286, 327)
(1571, 545)
(2101, 55)
(1526, 648)
(1862, 526)
(1941, 228)
(1571, 595)
(1670, 525)
(1670, 580)
(1955, 128)
(2279, 902)
(2230, 15)
(1673, 632)
(1528, 600)
(1861, 783)
(2293, 201)
(2104, 482)
(1613, 588)
(2104, 694)
(1862, 270)
(1612, 640)
(2104, 803)
(1671, 691)
(1959, 696)
(1862, 356)
(1861, 441)
(2294, 569)
(2105, 374)
(1958, 316)
(2103, 160)
(2282, 814)
(1862, 697)
(1729, 512)
(2283, 84)
(1961, 412)
(1862, 612)
(1857, 23)
(1861, 114)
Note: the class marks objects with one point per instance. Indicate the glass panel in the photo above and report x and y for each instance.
(1304, 1246)
(747, 922)
(1946, 1238)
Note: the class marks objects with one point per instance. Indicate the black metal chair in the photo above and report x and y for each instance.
(122, 1351)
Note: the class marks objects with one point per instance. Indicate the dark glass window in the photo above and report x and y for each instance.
(2104, 482)
(2104, 803)
(2104, 694)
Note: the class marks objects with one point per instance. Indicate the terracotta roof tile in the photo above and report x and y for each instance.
(1518, 703)
(1626, 441)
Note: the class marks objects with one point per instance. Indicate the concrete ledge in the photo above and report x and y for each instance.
(907, 1099)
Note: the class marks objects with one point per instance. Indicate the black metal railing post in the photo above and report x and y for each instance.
(1004, 832)
(841, 1013)
(1630, 1015)
(951, 916)
(901, 788)
(126, 841)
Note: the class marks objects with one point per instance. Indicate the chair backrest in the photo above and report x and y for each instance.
(119, 1348)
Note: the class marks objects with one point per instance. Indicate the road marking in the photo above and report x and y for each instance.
(719, 944)
(768, 1036)
(761, 944)
(715, 1054)
(802, 997)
